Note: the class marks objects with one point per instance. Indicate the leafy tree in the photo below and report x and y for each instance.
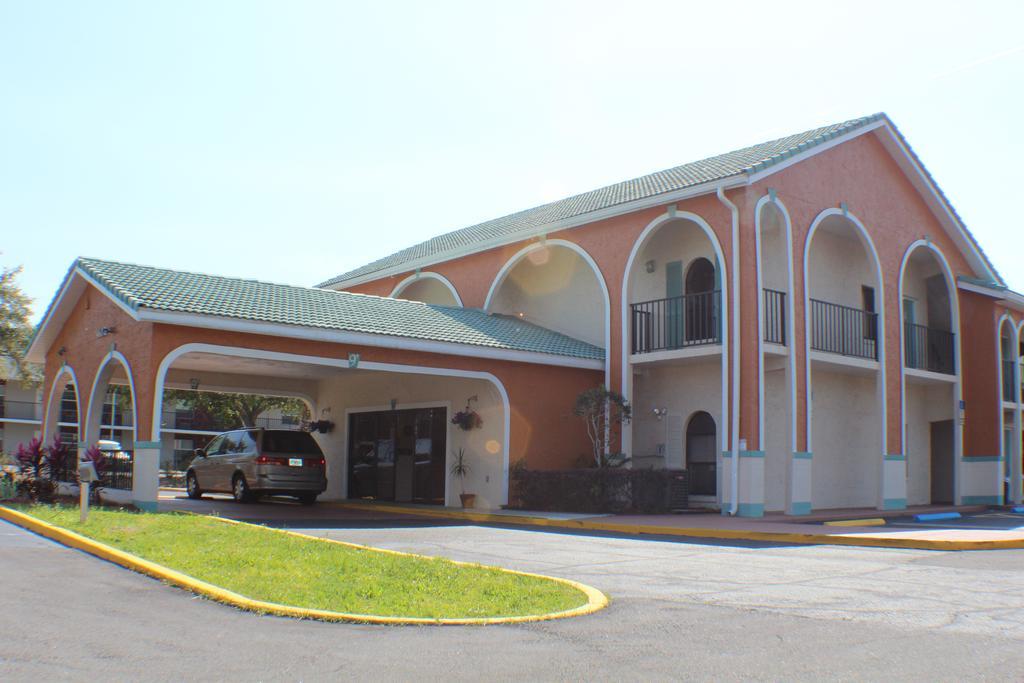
(15, 328)
(235, 409)
(604, 412)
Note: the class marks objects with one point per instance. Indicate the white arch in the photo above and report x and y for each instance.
(627, 375)
(176, 353)
(84, 434)
(54, 427)
(429, 275)
(588, 259)
(1015, 329)
(867, 242)
(790, 321)
(954, 306)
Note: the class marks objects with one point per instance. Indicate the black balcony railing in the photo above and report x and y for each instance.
(187, 420)
(774, 317)
(1009, 381)
(676, 322)
(19, 410)
(925, 348)
(844, 330)
(120, 418)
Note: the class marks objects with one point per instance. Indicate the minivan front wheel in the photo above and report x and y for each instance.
(306, 498)
(192, 486)
(240, 489)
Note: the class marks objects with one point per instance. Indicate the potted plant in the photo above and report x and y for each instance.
(467, 419)
(460, 468)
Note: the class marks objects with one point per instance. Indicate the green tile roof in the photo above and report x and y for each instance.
(739, 162)
(160, 289)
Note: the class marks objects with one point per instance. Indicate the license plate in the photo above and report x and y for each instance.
(295, 462)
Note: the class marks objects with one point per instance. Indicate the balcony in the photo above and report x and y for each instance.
(844, 330)
(191, 421)
(774, 316)
(676, 323)
(120, 418)
(928, 349)
(19, 410)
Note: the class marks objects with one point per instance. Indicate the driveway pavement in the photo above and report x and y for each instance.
(679, 611)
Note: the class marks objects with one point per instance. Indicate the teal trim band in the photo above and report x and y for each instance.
(145, 505)
(82, 444)
(750, 510)
(983, 500)
(800, 509)
(803, 455)
(983, 458)
(895, 457)
(894, 504)
(751, 454)
(726, 454)
(147, 444)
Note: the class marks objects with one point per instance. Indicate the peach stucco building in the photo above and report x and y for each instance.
(801, 324)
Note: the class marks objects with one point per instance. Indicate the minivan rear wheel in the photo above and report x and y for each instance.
(240, 489)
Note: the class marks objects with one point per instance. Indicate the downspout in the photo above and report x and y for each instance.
(734, 480)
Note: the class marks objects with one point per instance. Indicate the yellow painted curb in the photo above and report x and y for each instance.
(874, 521)
(596, 600)
(595, 524)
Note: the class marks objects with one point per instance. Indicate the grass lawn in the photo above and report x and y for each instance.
(266, 565)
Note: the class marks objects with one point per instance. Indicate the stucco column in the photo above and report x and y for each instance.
(146, 475)
(800, 471)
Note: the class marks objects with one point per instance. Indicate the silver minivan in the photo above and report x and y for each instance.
(248, 463)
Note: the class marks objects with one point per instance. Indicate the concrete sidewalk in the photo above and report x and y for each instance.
(773, 529)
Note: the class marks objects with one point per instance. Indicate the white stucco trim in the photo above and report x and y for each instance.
(428, 275)
(365, 339)
(589, 260)
(1014, 407)
(113, 355)
(869, 245)
(627, 370)
(790, 348)
(52, 428)
(180, 351)
(954, 311)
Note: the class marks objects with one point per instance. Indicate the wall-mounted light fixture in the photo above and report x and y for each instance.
(660, 413)
(62, 350)
(194, 383)
(650, 266)
(104, 331)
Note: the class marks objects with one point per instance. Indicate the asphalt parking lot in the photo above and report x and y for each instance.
(994, 520)
(679, 611)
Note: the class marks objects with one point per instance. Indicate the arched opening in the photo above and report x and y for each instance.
(928, 319)
(673, 334)
(1011, 393)
(776, 363)
(61, 415)
(846, 369)
(430, 288)
(553, 285)
(67, 426)
(110, 411)
(702, 454)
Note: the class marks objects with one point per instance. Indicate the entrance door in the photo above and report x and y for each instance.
(700, 302)
(398, 455)
(701, 459)
(942, 461)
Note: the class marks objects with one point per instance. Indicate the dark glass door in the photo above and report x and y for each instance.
(398, 455)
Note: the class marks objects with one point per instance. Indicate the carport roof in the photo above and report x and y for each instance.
(144, 290)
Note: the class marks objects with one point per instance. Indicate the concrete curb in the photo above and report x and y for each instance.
(596, 600)
(809, 538)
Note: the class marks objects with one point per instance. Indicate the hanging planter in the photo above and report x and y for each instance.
(467, 419)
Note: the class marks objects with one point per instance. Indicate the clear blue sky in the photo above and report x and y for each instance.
(292, 141)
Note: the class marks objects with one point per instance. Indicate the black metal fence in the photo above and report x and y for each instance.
(775, 317)
(117, 470)
(844, 330)
(1009, 382)
(19, 410)
(676, 322)
(187, 420)
(929, 349)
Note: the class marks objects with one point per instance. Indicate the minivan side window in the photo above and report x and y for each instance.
(216, 446)
(246, 442)
(234, 443)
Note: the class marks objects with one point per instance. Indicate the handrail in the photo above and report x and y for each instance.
(844, 330)
(676, 322)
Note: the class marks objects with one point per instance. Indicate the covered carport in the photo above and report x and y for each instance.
(387, 375)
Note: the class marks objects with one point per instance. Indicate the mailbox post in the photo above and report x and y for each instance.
(86, 476)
